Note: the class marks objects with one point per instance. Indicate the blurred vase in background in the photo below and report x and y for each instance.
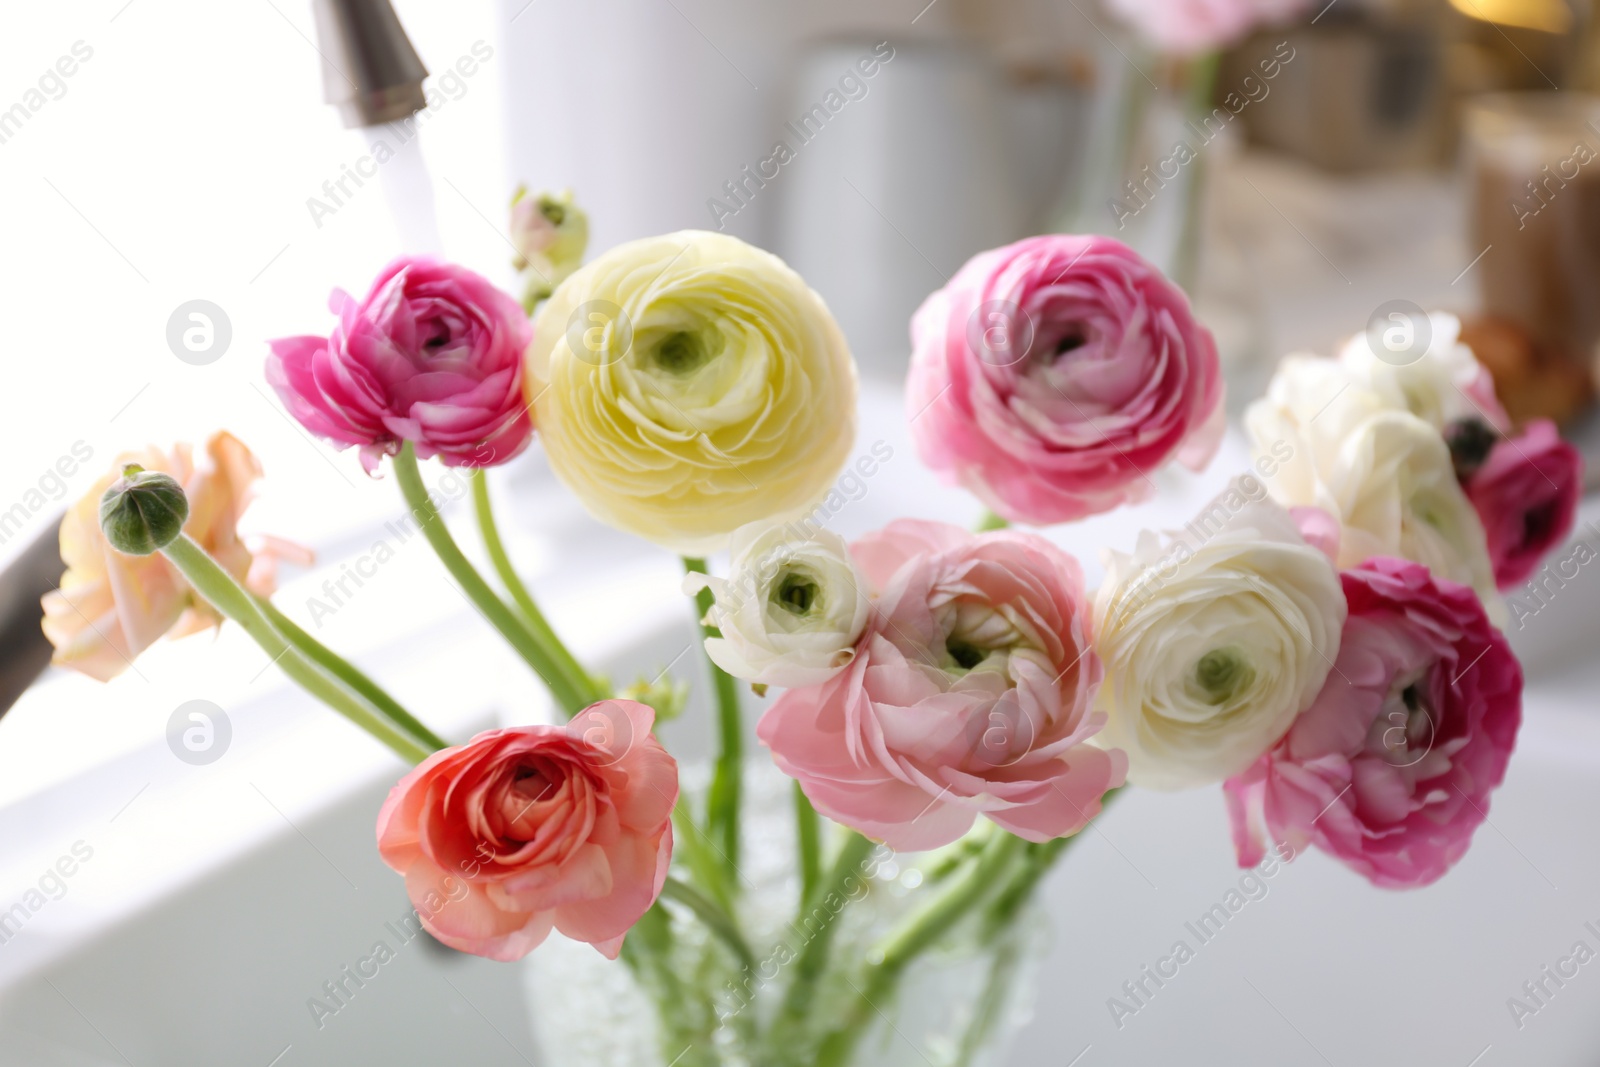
(902, 186)
(960, 139)
(1146, 158)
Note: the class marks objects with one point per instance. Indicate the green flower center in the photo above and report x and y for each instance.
(1222, 674)
(798, 593)
(682, 352)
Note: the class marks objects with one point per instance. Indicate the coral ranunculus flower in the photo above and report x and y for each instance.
(1391, 767)
(1052, 376)
(525, 830)
(689, 384)
(969, 694)
(432, 355)
(110, 607)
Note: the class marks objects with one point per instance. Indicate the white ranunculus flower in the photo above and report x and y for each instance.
(1396, 494)
(1214, 640)
(1383, 474)
(1443, 383)
(791, 608)
(1309, 409)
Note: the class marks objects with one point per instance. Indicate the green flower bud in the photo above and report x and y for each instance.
(143, 511)
(550, 233)
(667, 695)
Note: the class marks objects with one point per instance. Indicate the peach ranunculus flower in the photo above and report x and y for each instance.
(110, 607)
(533, 828)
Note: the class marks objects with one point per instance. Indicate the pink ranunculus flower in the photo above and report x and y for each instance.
(524, 830)
(1391, 767)
(432, 355)
(1526, 494)
(1194, 27)
(1052, 376)
(969, 694)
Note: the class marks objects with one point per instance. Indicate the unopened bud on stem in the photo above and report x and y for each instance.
(143, 511)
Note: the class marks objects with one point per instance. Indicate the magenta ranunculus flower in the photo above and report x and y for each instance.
(969, 694)
(433, 355)
(525, 830)
(1526, 494)
(1051, 377)
(1391, 767)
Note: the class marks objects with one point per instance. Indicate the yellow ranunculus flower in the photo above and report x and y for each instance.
(688, 384)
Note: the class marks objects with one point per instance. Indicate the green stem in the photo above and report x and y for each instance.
(808, 842)
(990, 521)
(578, 679)
(684, 1014)
(986, 1011)
(913, 936)
(718, 921)
(723, 796)
(647, 951)
(347, 673)
(693, 847)
(930, 922)
(219, 589)
(812, 961)
(477, 590)
(1039, 860)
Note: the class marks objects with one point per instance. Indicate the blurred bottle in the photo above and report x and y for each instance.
(1534, 160)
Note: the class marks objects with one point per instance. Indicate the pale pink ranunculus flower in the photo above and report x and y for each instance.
(431, 355)
(110, 607)
(1391, 767)
(970, 693)
(1051, 377)
(1526, 494)
(1194, 27)
(530, 829)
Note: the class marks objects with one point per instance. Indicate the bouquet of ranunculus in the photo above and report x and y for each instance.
(955, 705)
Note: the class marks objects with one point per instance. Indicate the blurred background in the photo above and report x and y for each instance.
(1299, 170)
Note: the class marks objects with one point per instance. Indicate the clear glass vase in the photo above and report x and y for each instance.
(959, 1005)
